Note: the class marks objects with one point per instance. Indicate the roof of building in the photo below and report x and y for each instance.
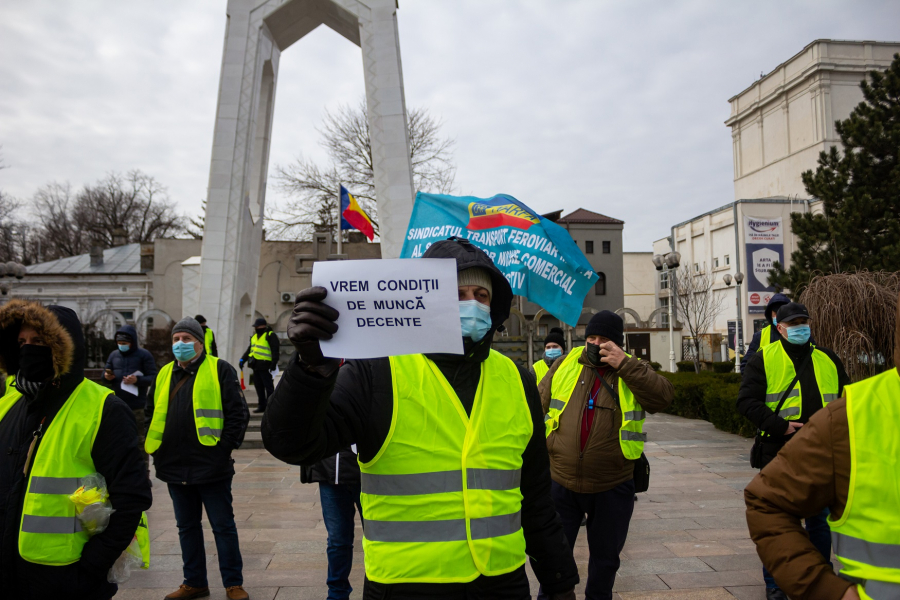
(583, 215)
(122, 259)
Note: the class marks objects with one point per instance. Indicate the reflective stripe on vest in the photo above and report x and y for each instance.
(566, 377)
(208, 338)
(866, 538)
(207, 403)
(259, 347)
(49, 531)
(10, 396)
(765, 336)
(540, 369)
(461, 517)
(780, 373)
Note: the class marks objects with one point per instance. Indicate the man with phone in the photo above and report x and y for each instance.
(783, 386)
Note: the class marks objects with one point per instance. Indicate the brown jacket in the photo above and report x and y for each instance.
(811, 473)
(601, 466)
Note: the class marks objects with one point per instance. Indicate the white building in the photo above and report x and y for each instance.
(779, 125)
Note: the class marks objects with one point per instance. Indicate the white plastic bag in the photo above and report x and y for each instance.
(129, 559)
(92, 506)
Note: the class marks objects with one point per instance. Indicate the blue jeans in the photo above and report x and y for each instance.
(338, 505)
(188, 502)
(819, 535)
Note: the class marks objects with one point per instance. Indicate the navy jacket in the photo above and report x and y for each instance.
(123, 364)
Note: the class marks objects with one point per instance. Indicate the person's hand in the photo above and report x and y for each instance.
(852, 593)
(793, 427)
(611, 354)
(310, 322)
(107, 375)
(129, 379)
(570, 595)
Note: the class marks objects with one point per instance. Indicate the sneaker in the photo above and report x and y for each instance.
(186, 592)
(236, 592)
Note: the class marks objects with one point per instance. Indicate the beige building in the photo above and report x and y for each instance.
(783, 120)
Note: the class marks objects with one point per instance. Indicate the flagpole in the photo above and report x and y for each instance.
(340, 234)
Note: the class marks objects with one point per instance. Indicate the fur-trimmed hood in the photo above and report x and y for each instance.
(59, 327)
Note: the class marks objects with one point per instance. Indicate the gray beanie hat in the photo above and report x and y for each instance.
(475, 276)
(191, 326)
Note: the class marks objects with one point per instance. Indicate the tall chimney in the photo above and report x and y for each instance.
(96, 256)
(119, 237)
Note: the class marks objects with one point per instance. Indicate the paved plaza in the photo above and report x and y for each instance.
(688, 538)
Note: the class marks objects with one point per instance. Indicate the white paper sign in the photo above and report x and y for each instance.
(390, 307)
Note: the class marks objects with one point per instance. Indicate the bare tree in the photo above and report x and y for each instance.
(134, 205)
(345, 133)
(697, 303)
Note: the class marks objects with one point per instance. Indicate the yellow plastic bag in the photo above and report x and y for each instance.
(92, 504)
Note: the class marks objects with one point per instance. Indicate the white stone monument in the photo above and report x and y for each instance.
(256, 33)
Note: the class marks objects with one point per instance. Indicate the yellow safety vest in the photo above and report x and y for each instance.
(780, 373)
(49, 531)
(441, 498)
(540, 369)
(10, 396)
(866, 538)
(208, 338)
(259, 346)
(765, 336)
(631, 433)
(207, 395)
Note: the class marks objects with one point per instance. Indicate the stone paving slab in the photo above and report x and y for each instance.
(688, 538)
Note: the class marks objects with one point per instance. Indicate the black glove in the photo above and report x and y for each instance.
(310, 322)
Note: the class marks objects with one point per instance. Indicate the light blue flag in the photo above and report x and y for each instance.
(538, 257)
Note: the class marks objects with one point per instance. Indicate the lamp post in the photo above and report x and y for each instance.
(665, 263)
(738, 324)
(10, 269)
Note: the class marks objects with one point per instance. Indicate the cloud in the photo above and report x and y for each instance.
(614, 107)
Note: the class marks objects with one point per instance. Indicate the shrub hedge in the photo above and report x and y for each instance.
(685, 366)
(723, 367)
(711, 397)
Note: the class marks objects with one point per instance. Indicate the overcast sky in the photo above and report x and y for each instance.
(617, 107)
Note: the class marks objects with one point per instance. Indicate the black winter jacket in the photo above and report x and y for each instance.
(264, 365)
(340, 469)
(116, 456)
(310, 417)
(751, 400)
(181, 458)
(127, 363)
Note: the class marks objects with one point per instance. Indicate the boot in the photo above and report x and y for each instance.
(236, 592)
(186, 592)
(775, 594)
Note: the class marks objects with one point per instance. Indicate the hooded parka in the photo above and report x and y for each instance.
(311, 417)
(115, 454)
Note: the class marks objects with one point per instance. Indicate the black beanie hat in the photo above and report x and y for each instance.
(607, 324)
(556, 336)
(259, 322)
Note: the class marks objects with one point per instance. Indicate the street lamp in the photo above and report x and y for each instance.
(738, 324)
(665, 263)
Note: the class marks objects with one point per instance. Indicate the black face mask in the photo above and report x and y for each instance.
(593, 353)
(36, 363)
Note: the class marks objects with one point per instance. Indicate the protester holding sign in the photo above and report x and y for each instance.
(454, 468)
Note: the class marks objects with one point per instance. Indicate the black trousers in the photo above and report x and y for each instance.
(262, 381)
(512, 586)
(608, 517)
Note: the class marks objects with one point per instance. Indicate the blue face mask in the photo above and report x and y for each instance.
(798, 335)
(123, 348)
(475, 319)
(553, 353)
(774, 321)
(183, 351)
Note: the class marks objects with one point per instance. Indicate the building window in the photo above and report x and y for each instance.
(600, 286)
(727, 260)
(664, 303)
(605, 247)
(128, 314)
(664, 280)
(589, 247)
(716, 262)
(696, 267)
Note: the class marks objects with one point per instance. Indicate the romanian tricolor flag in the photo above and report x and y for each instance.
(353, 216)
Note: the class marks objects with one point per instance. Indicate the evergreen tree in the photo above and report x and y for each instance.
(859, 186)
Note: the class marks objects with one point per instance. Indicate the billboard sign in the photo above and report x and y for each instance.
(764, 242)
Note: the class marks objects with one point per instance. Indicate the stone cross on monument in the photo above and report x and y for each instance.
(256, 33)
